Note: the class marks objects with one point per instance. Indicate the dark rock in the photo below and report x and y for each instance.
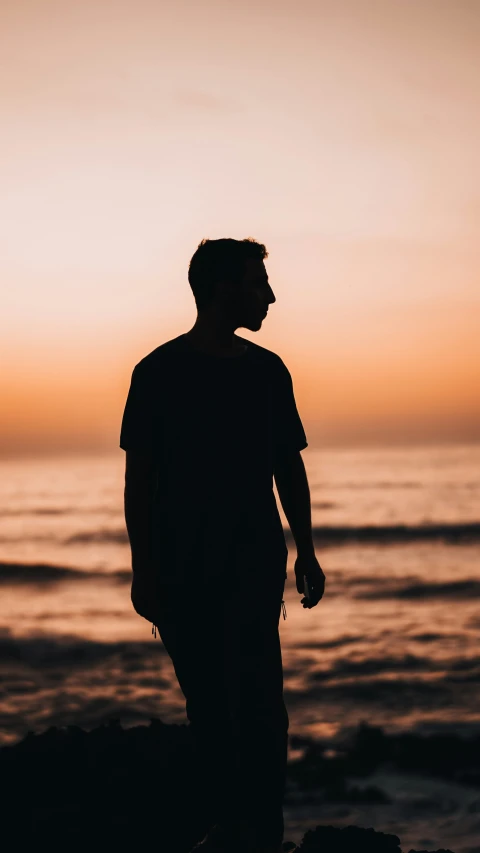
(107, 787)
(128, 789)
(447, 756)
(350, 839)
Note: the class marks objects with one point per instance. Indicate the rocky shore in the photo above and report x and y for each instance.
(116, 789)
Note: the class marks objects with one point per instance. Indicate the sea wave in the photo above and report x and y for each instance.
(461, 589)
(445, 531)
(366, 587)
(395, 674)
(43, 573)
(398, 683)
(117, 536)
(451, 532)
(448, 532)
(13, 512)
(376, 484)
(44, 650)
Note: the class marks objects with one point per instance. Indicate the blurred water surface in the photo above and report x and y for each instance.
(395, 640)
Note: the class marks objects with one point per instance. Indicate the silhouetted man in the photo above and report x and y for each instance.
(210, 418)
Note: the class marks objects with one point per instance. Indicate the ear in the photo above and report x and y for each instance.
(224, 288)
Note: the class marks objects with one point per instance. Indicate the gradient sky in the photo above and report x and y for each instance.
(344, 134)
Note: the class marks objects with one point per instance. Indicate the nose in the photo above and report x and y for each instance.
(271, 296)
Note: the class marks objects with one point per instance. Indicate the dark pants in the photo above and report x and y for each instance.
(225, 647)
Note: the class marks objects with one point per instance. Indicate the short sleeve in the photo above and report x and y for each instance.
(137, 423)
(288, 427)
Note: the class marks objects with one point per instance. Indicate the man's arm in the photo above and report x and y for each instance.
(139, 486)
(292, 485)
(293, 490)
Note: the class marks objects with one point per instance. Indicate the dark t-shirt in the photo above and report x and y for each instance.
(215, 426)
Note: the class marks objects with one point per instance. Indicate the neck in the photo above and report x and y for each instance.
(212, 333)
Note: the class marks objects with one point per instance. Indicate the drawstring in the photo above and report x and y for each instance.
(154, 630)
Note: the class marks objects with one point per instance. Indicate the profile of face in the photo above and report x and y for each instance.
(246, 303)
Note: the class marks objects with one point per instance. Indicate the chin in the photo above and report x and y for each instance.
(253, 325)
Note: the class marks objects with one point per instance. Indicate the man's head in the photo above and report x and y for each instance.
(230, 276)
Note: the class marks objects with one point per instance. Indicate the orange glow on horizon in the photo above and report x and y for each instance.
(345, 137)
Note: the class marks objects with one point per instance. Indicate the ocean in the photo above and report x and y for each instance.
(394, 642)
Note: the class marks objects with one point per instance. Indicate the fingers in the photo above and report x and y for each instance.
(316, 583)
(316, 595)
(308, 603)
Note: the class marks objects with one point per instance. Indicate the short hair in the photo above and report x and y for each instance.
(218, 259)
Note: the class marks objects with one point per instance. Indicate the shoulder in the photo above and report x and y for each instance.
(159, 359)
(267, 357)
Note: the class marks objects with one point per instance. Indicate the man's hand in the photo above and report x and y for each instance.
(144, 594)
(308, 565)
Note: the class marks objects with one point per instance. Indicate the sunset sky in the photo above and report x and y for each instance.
(344, 134)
